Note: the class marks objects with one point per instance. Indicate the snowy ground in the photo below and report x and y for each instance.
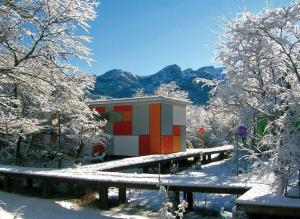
(141, 203)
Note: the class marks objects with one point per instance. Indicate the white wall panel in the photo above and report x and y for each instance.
(183, 138)
(126, 145)
(179, 115)
(140, 119)
(166, 119)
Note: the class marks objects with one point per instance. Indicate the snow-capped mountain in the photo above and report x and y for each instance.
(119, 83)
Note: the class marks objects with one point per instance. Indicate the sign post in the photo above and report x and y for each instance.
(241, 132)
(202, 136)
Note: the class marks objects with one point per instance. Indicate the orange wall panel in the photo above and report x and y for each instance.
(126, 116)
(166, 144)
(176, 144)
(154, 123)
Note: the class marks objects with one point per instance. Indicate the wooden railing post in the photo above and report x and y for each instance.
(47, 189)
(29, 183)
(209, 157)
(103, 201)
(190, 201)
(122, 195)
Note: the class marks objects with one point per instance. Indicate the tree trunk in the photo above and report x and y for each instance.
(30, 144)
(81, 145)
(18, 150)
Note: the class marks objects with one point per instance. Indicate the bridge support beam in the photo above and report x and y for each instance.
(29, 183)
(176, 198)
(196, 159)
(122, 195)
(103, 201)
(222, 156)
(7, 184)
(209, 157)
(188, 196)
(47, 189)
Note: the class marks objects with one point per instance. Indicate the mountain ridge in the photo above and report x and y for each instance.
(118, 83)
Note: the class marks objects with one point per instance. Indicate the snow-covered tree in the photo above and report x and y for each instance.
(218, 125)
(140, 93)
(168, 90)
(196, 117)
(260, 55)
(38, 39)
(171, 90)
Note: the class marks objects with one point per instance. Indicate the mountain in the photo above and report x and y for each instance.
(118, 83)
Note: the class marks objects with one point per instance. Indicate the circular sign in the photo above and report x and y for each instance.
(241, 131)
(201, 131)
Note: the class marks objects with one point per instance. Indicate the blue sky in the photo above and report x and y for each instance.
(143, 36)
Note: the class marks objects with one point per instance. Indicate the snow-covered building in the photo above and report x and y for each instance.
(144, 125)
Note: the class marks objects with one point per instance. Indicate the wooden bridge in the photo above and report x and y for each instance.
(96, 177)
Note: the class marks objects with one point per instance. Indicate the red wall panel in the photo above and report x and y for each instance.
(120, 108)
(100, 109)
(144, 145)
(176, 130)
(122, 128)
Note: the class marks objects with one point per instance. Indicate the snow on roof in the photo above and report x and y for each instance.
(139, 100)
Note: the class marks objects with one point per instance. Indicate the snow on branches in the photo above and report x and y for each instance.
(260, 55)
(38, 38)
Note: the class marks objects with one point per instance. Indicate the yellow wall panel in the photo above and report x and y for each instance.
(126, 116)
(176, 144)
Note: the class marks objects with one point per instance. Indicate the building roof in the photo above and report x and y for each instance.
(139, 100)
